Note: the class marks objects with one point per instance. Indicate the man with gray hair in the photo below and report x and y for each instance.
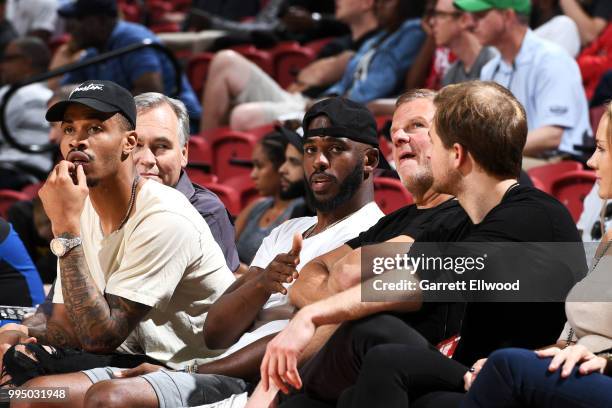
(162, 126)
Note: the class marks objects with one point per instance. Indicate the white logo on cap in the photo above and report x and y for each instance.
(89, 87)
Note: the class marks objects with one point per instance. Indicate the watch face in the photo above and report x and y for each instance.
(57, 247)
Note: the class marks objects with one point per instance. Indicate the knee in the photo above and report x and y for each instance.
(107, 393)
(246, 116)
(226, 59)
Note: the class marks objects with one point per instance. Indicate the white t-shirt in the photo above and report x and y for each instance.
(277, 311)
(563, 31)
(32, 15)
(25, 115)
(164, 257)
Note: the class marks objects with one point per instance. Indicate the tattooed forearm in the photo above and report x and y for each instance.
(53, 334)
(101, 323)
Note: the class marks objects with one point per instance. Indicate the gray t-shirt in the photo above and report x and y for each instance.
(457, 73)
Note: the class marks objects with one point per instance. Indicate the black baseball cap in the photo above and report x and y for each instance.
(292, 137)
(80, 8)
(103, 96)
(348, 119)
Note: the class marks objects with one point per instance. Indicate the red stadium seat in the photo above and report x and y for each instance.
(197, 70)
(548, 173)
(317, 45)
(232, 152)
(571, 188)
(165, 27)
(8, 198)
(390, 194)
(289, 59)
(245, 187)
(199, 150)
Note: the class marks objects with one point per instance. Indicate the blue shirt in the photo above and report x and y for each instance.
(124, 70)
(375, 72)
(547, 81)
(20, 284)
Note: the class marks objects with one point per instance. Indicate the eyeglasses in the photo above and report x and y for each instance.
(442, 13)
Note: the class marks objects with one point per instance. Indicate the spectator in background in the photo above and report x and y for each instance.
(548, 21)
(7, 31)
(293, 183)
(94, 26)
(162, 125)
(20, 284)
(603, 91)
(541, 75)
(259, 218)
(591, 16)
(31, 223)
(36, 18)
(595, 219)
(595, 60)
(376, 70)
(232, 79)
(297, 20)
(452, 28)
(25, 112)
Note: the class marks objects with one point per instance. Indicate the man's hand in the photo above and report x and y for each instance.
(470, 375)
(282, 269)
(63, 197)
(144, 368)
(280, 361)
(568, 358)
(8, 338)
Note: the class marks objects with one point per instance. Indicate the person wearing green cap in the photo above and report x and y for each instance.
(542, 76)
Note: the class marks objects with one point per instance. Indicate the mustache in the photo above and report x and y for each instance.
(322, 174)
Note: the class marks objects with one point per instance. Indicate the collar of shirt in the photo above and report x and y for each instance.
(185, 186)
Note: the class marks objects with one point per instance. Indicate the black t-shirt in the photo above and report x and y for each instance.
(433, 223)
(525, 214)
(435, 321)
(600, 8)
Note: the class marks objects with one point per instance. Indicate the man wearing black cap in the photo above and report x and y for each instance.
(340, 154)
(94, 26)
(138, 266)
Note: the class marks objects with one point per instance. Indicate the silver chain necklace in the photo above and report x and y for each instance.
(309, 232)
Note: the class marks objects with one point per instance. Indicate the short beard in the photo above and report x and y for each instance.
(347, 190)
(419, 182)
(294, 190)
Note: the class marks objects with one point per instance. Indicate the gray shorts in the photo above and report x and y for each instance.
(176, 389)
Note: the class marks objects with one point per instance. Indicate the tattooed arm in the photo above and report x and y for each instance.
(100, 322)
